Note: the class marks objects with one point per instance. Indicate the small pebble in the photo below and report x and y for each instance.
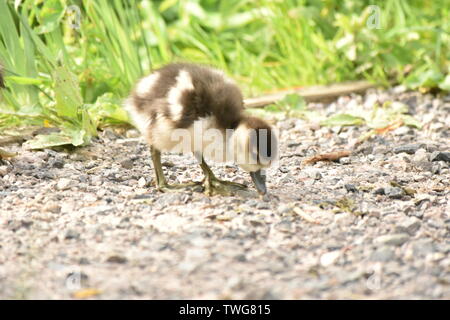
(142, 182)
(440, 156)
(350, 188)
(64, 184)
(329, 258)
(393, 239)
(394, 192)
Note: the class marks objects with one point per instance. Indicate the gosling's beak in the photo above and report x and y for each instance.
(260, 181)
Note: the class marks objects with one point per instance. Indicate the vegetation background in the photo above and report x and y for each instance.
(69, 63)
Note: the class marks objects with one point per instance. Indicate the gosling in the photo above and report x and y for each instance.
(184, 107)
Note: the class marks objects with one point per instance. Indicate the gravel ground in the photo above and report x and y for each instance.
(374, 225)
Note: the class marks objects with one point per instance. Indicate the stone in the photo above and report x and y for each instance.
(423, 247)
(383, 254)
(57, 163)
(313, 173)
(437, 224)
(3, 171)
(329, 258)
(392, 239)
(350, 188)
(117, 259)
(170, 199)
(401, 131)
(436, 168)
(394, 192)
(142, 183)
(409, 148)
(421, 155)
(262, 205)
(64, 184)
(251, 203)
(127, 163)
(15, 225)
(284, 208)
(284, 226)
(293, 144)
(132, 133)
(98, 210)
(51, 207)
(71, 234)
(240, 258)
(409, 225)
(440, 156)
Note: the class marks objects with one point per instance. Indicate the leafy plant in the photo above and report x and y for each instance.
(69, 63)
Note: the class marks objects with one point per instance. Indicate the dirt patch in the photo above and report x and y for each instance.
(375, 224)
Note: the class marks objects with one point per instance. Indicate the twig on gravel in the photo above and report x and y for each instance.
(95, 169)
(331, 156)
(312, 94)
(305, 216)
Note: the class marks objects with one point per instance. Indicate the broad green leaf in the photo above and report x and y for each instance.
(445, 84)
(428, 78)
(411, 122)
(43, 141)
(395, 107)
(87, 123)
(67, 93)
(50, 16)
(108, 108)
(78, 136)
(342, 119)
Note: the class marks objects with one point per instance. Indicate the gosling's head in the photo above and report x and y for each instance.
(255, 148)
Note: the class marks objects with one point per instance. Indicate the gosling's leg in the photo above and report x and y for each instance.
(161, 181)
(215, 186)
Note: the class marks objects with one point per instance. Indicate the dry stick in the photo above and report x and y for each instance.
(312, 94)
(330, 156)
(305, 216)
(315, 94)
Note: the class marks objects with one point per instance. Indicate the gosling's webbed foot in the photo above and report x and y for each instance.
(182, 187)
(214, 186)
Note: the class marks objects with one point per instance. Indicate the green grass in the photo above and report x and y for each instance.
(75, 78)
